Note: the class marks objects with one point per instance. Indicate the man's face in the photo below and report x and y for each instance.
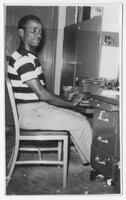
(32, 34)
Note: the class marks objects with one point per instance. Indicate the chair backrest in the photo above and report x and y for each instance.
(13, 105)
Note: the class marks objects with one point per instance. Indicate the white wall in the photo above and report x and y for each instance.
(110, 55)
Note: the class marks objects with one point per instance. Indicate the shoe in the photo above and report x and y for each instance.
(86, 164)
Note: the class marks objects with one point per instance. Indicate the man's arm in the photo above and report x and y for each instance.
(45, 95)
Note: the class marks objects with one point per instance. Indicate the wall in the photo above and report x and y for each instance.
(47, 14)
(110, 52)
(71, 15)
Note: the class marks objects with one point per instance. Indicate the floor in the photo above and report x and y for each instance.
(47, 180)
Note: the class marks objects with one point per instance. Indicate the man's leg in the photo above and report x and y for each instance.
(45, 116)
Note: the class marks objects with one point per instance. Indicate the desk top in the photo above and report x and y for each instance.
(111, 100)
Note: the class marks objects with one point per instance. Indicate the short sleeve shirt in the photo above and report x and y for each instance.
(24, 66)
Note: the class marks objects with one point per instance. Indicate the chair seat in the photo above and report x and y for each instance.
(37, 132)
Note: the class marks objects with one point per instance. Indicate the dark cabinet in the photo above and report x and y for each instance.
(81, 51)
(87, 53)
(102, 162)
(105, 150)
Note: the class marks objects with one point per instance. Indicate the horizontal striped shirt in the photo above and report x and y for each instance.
(24, 66)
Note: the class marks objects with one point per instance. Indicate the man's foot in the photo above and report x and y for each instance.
(86, 164)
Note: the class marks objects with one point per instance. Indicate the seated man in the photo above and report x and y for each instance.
(38, 108)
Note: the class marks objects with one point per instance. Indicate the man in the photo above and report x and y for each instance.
(38, 108)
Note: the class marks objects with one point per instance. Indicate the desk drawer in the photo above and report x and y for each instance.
(104, 119)
(105, 140)
(101, 162)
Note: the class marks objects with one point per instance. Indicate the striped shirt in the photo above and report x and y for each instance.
(24, 66)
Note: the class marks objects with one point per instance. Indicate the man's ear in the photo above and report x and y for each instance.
(21, 32)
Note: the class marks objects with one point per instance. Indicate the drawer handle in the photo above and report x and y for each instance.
(99, 162)
(102, 140)
(101, 115)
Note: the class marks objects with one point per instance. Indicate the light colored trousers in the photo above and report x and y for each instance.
(42, 115)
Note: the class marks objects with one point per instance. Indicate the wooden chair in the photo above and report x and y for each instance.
(60, 136)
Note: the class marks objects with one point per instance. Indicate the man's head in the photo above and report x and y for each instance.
(30, 31)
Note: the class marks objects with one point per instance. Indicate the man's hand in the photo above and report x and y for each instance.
(77, 99)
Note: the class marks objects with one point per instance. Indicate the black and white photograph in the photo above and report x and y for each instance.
(63, 99)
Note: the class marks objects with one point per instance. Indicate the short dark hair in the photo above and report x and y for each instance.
(23, 21)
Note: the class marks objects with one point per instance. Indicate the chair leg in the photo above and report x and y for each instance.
(65, 161)
(59, 150)
(13, 162)
(11, 158)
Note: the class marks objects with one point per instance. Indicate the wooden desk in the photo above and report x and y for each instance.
(113, 101)
(105, 150)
